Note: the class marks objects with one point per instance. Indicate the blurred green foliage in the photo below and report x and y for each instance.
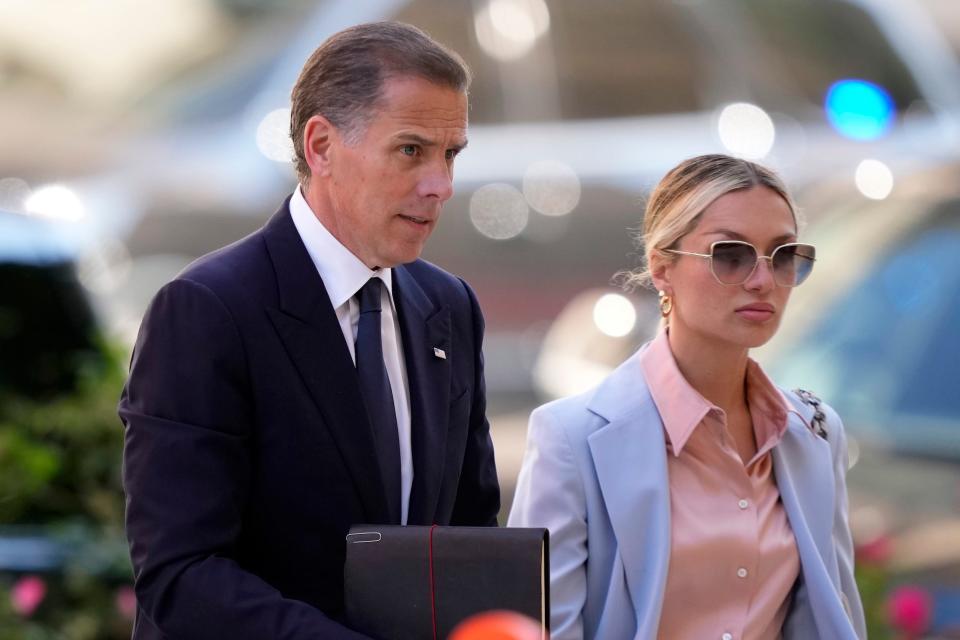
(60, 459)
(873, 582)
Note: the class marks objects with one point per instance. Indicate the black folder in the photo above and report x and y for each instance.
(420, 582)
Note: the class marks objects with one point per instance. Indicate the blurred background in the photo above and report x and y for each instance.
(136, 137)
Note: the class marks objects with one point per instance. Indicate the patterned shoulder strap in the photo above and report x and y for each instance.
(819, 420)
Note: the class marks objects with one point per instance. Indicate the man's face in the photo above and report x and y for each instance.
(383, 192)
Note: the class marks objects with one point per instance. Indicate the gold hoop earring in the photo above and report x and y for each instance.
(666, 304)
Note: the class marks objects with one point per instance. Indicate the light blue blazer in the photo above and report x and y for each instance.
(595, 474)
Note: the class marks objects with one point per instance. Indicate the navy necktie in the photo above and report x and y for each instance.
(375, 387)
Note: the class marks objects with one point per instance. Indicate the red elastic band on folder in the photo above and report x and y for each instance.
(433, 596)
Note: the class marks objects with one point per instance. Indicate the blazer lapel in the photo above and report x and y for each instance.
(805, 478)
(629, 456)
(307, 324)
(804, 474)
(423, 328)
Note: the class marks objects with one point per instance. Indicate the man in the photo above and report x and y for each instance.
(315, 374)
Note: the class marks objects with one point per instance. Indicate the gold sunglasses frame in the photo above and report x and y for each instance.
(755, 264)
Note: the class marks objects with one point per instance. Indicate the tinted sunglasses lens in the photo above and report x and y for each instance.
(733, 261)
(793, 263)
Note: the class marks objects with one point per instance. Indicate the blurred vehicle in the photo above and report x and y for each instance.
(874, 332)
(47, 326)
(876, 336)
(576, 110)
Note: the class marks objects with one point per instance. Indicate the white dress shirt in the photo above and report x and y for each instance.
(343, 274)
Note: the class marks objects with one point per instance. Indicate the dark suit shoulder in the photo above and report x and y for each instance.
(227, 263)
(241, 270)
(439, 284)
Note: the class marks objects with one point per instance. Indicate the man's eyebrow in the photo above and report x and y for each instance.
(416, 138)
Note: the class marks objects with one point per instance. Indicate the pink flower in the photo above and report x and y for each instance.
(125, 601)
(27, 594)
(876, 551)
(909, 610)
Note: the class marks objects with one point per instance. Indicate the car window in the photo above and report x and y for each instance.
(886, 354)
(931, 390)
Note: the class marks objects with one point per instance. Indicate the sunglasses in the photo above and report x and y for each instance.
(733, 261)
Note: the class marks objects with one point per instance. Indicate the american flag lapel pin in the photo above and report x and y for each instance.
(440, 353)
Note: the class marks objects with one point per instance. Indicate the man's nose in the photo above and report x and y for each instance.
(437, 181)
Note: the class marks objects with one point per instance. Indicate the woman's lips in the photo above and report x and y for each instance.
(758, 312)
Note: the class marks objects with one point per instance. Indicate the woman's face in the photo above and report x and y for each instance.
(745, 315)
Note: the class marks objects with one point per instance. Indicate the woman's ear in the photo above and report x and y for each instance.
(660, 271)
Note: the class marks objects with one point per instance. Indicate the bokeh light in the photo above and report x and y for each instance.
(614, 315)
(105, 267)
(874, 179)
(551, 187)
(55, 202)
(546, 229)
(853, 451)
(746, 130)
(14, 193)
(508, 29)
(273, 136)
(499, 211)
(868, 522)
(859, 109)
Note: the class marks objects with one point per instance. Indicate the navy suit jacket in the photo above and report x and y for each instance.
(248, 452)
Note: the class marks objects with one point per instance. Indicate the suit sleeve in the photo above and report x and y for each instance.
(187, 467)
(550, 494)
(478, 492)
(842, 538)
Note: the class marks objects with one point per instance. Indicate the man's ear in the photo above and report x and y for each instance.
(319, 136)
(660, 271)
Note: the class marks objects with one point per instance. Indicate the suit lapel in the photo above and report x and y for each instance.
(629, 456)
(307, 324)
(804, 472)
(804, 475)
(424, 327)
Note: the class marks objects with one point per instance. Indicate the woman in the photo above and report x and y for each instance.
(687, 496)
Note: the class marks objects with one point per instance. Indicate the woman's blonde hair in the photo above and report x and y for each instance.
(678, 201)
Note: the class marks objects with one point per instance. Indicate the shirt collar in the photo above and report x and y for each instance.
(682, 408)
(342, 272)
(768, 406)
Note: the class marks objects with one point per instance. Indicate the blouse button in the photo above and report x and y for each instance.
(741, 573)
(726, 636)
(743, 504)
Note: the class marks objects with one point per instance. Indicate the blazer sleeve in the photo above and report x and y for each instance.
(478, 491)
(550, 494)
(842, 538)
(188, 416)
